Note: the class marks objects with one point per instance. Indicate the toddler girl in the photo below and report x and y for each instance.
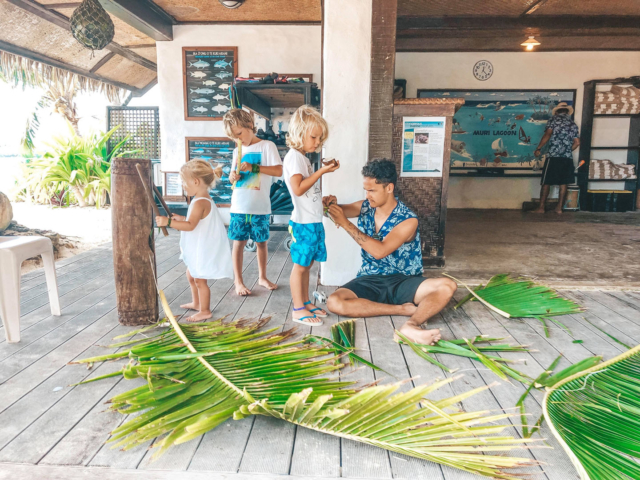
(203, 241)
(307, 132)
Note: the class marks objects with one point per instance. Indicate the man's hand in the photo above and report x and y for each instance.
(536, 153)
(234, 177)
(337, 214)
(328, 200)
(162, 221)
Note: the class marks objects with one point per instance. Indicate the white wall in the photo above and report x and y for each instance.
(261, 48)
(527, 70)
(347, 71)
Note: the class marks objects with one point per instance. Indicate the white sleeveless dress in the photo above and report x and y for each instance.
(205, 250)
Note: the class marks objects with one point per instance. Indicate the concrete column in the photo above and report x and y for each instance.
(346, 91)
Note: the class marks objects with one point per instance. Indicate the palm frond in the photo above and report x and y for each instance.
(521, 298)
(595, 415)
(200, 375)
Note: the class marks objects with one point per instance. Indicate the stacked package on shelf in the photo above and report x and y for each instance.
(619, 100)
(607, 170)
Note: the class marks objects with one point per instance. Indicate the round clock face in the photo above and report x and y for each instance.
(483, 70)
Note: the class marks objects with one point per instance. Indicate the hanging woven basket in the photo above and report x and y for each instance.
(91, 25)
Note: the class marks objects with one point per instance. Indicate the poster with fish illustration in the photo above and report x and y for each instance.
(218, 151)
(499, 130)
(208, 73)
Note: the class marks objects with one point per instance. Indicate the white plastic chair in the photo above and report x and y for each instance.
(13, 251)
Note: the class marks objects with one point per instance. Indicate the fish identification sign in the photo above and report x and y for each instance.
(208, 74)
(218, 151)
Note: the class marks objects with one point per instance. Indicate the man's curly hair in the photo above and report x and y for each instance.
(382, 170)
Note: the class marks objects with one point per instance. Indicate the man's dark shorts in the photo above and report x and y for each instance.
(394, 289)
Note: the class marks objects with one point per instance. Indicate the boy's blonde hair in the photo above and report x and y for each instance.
(303, 120)
(202, 170)
(236, 117)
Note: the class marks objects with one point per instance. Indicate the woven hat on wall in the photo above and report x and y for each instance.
(91, 25)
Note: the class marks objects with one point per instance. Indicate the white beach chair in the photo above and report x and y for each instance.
(13, 251)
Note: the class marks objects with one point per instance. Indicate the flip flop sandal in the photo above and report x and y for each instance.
(319, 315)
(303, 321)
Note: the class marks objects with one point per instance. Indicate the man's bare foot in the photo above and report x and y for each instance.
(242, 290)
(268, 284)
(538, 210)
(558, 211)
(199, 317)
(418, 335)
(408, 309)
(190, 306)
(297, 315)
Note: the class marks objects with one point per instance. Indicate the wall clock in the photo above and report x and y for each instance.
(483, 70)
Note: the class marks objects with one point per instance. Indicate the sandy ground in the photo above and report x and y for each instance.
(88, 227)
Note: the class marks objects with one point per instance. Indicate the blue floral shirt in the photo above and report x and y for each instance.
(406, 260)
(564, 131)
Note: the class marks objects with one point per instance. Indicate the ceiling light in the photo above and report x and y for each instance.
(532, 42)
(231, 3)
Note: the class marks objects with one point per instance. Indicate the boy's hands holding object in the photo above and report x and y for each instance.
(249, 167)
(179, 218)
(330, 165)
(162, 221)
(234, 177)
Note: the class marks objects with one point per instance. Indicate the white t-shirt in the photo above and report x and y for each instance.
(251, 193)
(308, 207)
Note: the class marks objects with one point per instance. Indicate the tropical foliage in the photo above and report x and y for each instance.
(200, 375)
(79, 167)
(595, 414)
(518, 297)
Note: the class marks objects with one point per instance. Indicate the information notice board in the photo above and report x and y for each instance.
(208, 73)
(423, 146)
(218, 151)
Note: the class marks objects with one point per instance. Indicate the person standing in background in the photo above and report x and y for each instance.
(562, 135)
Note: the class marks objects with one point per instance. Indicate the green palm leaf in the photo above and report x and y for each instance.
(595, 415)
(200, 375)
(520, 298)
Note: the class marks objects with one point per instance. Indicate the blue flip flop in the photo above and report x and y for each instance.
(319, 315)
(303, 320)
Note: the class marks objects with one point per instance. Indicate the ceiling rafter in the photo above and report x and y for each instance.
(61, 21)
(532, 8)
(143, 15)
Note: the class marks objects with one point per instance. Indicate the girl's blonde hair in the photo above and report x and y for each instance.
(304, 120)
(236, 117)
(202, 170)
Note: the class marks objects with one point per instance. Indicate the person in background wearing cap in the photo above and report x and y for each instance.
(562, 134)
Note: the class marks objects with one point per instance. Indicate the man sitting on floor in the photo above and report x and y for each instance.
(390, 280)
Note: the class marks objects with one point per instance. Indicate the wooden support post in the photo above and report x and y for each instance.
(383, 64)
(134, 259)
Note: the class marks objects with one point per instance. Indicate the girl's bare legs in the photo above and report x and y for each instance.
(263, 255)
(204, 295)
(236, 257)
(194, 305)
(299, 281)
(305, 293)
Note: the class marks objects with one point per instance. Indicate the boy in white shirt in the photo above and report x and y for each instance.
(307, 132)
(250, 202)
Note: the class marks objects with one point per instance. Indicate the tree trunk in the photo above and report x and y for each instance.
(77, 191)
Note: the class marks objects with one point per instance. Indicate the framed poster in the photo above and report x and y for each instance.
(422, 146)
(500, 129)
(172, 187)
(217, 151)
(208, 73)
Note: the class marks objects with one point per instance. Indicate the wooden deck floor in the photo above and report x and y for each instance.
(45, 423)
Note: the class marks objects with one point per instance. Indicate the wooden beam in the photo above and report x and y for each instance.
(102, 61)
(53, 6)
(7, 47)
(535, 6)
(383, 60)
(144, 90)
(63, 22)
(143, 15)
(528, 21)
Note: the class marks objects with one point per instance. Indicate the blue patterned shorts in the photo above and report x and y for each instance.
(244, 227)
(308, 243)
